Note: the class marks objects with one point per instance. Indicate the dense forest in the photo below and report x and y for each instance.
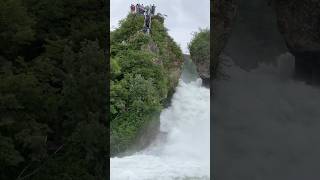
(53, 90)
(145, 69)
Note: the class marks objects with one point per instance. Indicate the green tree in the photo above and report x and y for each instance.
(53, 89)
(15, 28)
(142, 77)
(199, 46)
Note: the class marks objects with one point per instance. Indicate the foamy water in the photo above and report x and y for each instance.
(184, 152)
(268, 123)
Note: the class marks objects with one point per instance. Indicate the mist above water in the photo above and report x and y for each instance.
(182, 149)
(266, 125)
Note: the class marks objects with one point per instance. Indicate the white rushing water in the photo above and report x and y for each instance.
(184, 152)
(269, 123)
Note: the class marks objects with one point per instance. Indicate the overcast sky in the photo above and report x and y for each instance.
(183, 16)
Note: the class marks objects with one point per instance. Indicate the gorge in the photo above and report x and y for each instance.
(265, 104)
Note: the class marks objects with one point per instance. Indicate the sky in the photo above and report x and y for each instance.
(183, 16)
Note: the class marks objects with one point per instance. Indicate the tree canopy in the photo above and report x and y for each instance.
(53, 90)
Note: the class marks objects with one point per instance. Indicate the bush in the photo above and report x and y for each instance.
(199, 46)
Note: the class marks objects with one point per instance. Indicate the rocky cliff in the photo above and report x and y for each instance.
(296, 21)
(199, 48)
(299, 23)
(223, 12)
(145, 69)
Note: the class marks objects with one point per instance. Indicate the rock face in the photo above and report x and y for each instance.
(223, 13)
(199, 49)
(258, 27)
(204, 71)
(299, 23)
(255, 37)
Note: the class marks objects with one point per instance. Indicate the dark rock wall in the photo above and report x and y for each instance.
(299, 23)
(223, 16)
(261, 31)
(255, 37)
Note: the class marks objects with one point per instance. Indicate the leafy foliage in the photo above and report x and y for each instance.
(141, 66)
(52, 89)
(199, 46)
(15, 27)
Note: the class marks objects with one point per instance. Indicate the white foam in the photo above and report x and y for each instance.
(185, 152)
(269, 121)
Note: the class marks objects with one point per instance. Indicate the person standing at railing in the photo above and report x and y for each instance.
(138, 8)
(153, 9)
(147, 9)
(142, 9)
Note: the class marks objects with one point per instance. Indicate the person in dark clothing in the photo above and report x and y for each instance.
(153, 9)
(147, 9)
(142, 9)
(147, 23)
(138, 8)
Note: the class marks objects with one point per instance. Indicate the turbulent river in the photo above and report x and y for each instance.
(266, 124)
(184, 153)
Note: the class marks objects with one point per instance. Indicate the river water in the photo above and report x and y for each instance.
(182, 149)
(266, 124)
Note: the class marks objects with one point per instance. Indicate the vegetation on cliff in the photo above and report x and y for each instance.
(199, 48)
(53, 90)
(144, 71)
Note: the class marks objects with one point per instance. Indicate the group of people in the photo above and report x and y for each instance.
(147, 11)
(141, 9)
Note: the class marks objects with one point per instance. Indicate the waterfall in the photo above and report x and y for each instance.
(182, 149)
(266, 124)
